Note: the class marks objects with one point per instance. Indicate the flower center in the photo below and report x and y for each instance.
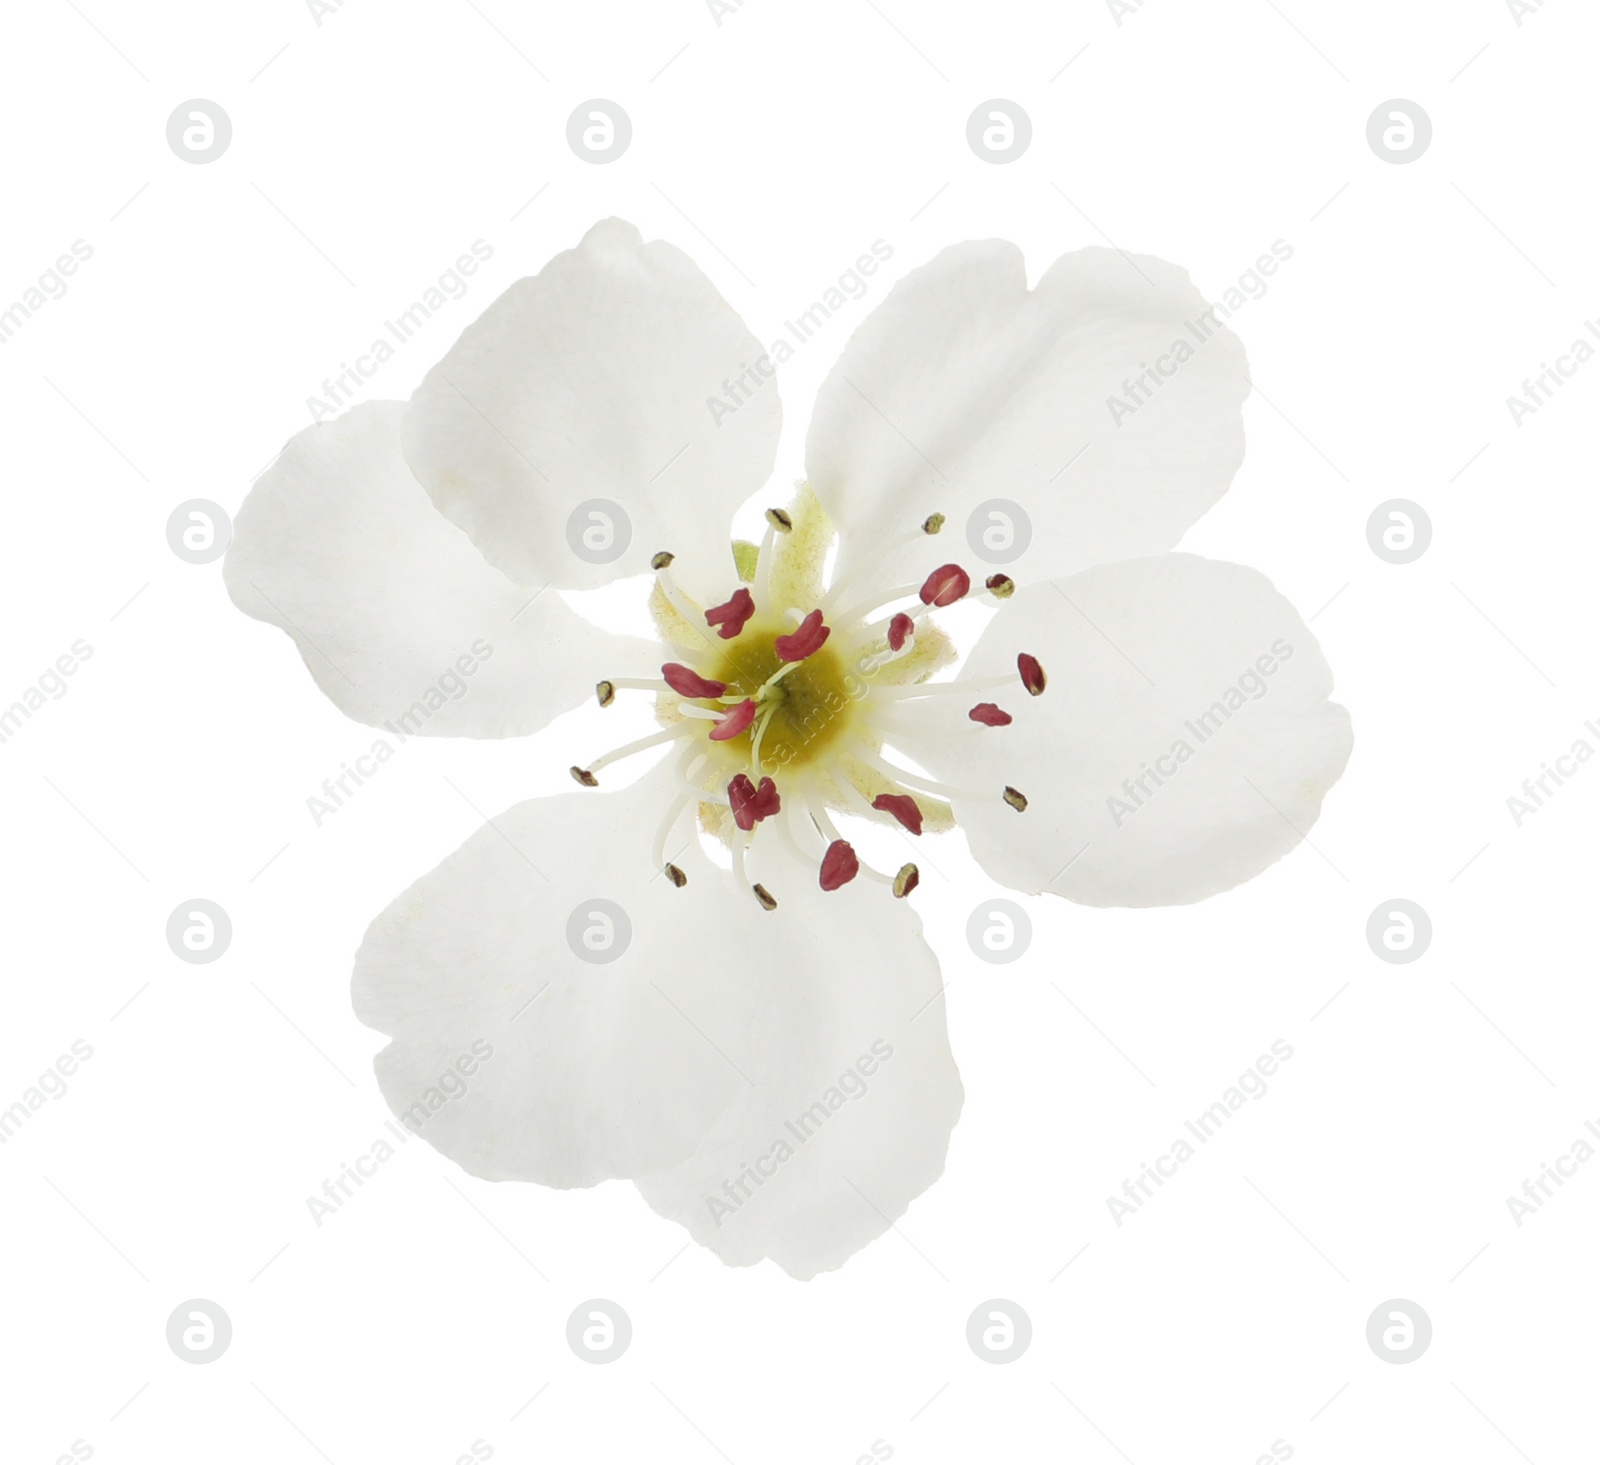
(804, 709)
(784, 712)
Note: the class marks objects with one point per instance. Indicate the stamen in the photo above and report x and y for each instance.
(734, 722)
(687, 610)
(942, 689)
(836, 842)
(768, 901)
(945, 586)
(586, 776)
(605, 693)
(931, 525)
(990, 715)
(839, 866)
(906, 881)
(780, 520)
(661, 560)
(900, 629)
(730, 616)
(914, 780)
(687, 683)
(1002, 587)
(806, 640)
(750, 804)
(901, 807)
(664, 833)
(1032, 674)
(1017, 800)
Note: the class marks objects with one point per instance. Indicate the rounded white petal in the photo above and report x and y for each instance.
(400, 620)
(595, 1068)
(964, 388)
(1184, 742)
(590, 382)
(854, 1090)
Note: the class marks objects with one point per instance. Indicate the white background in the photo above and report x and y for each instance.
(1232, 1308)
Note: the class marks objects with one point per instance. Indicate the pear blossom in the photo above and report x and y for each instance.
(759, 1041)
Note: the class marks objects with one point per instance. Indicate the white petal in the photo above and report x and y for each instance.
(1193, 668)
(598, 1069)
(963, 388)
(591, 381)
(397, 616)
(855, 1091)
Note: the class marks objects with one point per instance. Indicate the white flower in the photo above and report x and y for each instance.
(767, 1058)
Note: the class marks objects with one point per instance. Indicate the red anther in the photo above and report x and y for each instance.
(690, 684)
(945, 586)
(737, 720)
(730, 616)
(900, 629)
(751, 804)
(1032, 674)
(990, 715)
(839, 866)
(804, 640)
(903, 807)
